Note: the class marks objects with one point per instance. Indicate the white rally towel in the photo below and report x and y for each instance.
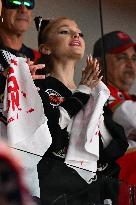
(83, 150)
(27, 127)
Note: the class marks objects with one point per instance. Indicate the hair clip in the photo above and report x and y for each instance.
(38, 20)
(40, 23)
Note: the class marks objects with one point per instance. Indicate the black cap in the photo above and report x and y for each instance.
(114, 42)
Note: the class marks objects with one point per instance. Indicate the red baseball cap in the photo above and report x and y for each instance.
(114, 42)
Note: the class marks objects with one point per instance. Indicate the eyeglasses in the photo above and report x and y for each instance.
(15, 4)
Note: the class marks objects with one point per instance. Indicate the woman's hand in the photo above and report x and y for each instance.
(90, 74)
(33, 68)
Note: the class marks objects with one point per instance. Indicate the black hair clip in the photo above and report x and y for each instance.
(40, 24)
(38, 20)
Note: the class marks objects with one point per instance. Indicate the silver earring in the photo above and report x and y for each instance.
(1, 19)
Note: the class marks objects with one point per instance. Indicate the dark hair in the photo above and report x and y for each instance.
(40, 24)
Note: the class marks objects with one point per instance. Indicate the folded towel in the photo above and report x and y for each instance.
(27, 127)
(83, 150)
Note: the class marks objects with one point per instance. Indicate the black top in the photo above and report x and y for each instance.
(55, 94)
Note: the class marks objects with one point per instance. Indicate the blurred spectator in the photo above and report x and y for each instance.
(120, 57)
(13, 190)
(15, 19)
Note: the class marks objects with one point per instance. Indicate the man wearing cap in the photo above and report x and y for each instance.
(116, 50)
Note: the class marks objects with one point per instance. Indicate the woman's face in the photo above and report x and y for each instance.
(65, 40)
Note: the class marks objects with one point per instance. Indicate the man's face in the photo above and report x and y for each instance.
(121, 69)
(16, 20)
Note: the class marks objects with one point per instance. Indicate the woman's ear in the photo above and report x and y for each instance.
(44, 49)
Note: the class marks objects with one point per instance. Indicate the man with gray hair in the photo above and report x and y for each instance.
(120, 67)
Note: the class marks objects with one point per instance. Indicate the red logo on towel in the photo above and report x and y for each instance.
(14, 94)
(13, 90)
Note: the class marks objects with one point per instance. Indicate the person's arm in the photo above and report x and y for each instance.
(124, 111)
(34, 68)
(75, 103)
(66, 114)
(125, 115)
(118, 144)
(89, 80)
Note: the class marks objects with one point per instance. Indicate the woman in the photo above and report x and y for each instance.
(63, 46)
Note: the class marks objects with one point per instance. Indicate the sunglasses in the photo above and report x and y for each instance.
(15, 4)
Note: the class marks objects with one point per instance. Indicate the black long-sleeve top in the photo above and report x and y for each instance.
(54, 95)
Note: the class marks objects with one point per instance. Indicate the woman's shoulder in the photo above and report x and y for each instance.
(51, 83)
(43, 83)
